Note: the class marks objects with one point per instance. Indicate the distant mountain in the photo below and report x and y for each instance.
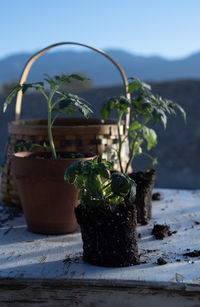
(100, 69)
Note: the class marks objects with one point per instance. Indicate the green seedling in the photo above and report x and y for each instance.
(57, 101)
(99, 186)
(145, 108)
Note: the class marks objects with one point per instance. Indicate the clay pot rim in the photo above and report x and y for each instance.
(31, 156)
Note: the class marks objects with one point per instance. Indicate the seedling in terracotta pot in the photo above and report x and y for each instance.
(47, 200)
(145, 109)
(106, 214)
(64, 103)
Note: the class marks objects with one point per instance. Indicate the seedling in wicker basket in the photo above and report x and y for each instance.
(57, 101)
(145, 108)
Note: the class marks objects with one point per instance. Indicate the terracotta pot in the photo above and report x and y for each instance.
(109, 238)
(145, 183)
(47, 200)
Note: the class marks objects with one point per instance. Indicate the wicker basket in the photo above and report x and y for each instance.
(76, 135)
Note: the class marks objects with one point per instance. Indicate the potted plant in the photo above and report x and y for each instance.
(106, 214)
(47, 200)
(146, 110)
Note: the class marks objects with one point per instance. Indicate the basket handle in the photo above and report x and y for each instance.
(30, 62)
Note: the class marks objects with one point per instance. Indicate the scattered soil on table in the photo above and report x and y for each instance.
(160, 231)
(151, 250)
(170, 233)
(194, 253)
(161, 261)
(156, 196)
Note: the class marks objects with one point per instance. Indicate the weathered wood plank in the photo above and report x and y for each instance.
(65, 293)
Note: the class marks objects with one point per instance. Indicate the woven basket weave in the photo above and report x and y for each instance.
(72, 135)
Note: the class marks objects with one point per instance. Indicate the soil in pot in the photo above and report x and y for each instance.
(145, 183)
(47, 200)
(109, 238)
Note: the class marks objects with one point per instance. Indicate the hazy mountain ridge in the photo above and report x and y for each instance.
(100, 69)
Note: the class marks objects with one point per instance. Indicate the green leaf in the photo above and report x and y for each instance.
(94, 186)
(134, 126)
(120, 184)
(71, 103)
(183, 113)
(151, 165)
(10, 96)
(121, 104)
(137, 149)
(133, 86)
(164, 120)
(150, 136)
(72, 171)
(79, 182)
(83, 108)
(132, 195)
(101, 170)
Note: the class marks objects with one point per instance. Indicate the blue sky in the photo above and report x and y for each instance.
(169, 28)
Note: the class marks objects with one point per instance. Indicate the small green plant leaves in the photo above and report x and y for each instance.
(145, 108)
(152, 164)
(132, 195)
(97, 185)
(10, 96)
(72, 171)
(134, 85)
(71, 103)
(121, 104)
(29, 146)
(102, 170)
(183, 113)
(150, 136)
(120, 184)
(65, 104)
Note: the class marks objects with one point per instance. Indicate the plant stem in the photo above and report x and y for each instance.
(131, 155)
(105, 186)
(147, 155)
(51, 143)
(120, 142)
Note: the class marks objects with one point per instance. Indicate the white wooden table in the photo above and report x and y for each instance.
(39, 270)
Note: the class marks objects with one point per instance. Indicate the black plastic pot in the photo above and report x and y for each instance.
(109, 238)
(145, 183)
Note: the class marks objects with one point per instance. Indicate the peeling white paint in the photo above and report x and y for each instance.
(27, 255)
